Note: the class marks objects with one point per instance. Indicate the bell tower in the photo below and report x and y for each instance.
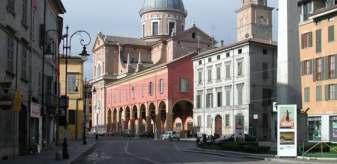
(254, 21)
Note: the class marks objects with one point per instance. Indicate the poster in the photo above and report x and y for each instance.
(287, 116)
(287, 138)
(287, 130)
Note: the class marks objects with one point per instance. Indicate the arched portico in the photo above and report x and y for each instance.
(127, 119)
(142, 119)
(162, 114)
(151, 119)
(134, 121)
(218, 126)
(182, 114)
(114, 120)
(109, 119)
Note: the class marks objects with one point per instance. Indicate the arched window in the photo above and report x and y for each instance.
(98, 70)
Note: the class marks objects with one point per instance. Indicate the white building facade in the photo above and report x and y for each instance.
(234, 88)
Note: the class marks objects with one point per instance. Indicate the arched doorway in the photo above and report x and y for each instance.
(109, 126)
(162, 111)
(120, 120)
(114, 120)
(134, 120)
(218, 126)
(127, 119)
(152, 119)
(142, 119)
(182, 114)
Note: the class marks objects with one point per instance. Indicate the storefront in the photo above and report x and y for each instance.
(35, 127)
(314, 128)
(333, 128)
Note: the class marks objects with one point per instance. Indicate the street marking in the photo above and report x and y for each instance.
(136, 156)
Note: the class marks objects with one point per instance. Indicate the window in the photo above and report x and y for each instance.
(155, 28)
(267, 95)
(314, 128)
(209, 60)
(227, 120)
(209, 74)
(200, 76)
(218, 57)
(24, 64)
(218, 72)
(228, 55)
(72, 83)
(228, 71)
(209, 100)
(307, 67)
(239, 51)
(161, 86)
(306, 40)
(72, 117)
(331, 92)
(265, 51)
(333, 128)
(228, 95)
(198, 103)
(265, 74)
(318, 93)
(10, 54)
(331, 33)
(240, 69)
(172, 26)
(209, 121)
(24, 12)
(240, 93)
(183, 85)
(332, 66)
(200, 62)
(318, 41)
(150, 88)
(319, 69)
(307, 94)
(193, 35)
(11, 6)
(199, 121)
(219, 99)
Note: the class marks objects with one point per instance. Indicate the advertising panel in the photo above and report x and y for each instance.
(287, 130)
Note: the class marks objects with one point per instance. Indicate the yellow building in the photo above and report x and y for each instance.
(75, 93)
(318, 57)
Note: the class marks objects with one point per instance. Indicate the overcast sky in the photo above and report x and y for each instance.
(121, 18)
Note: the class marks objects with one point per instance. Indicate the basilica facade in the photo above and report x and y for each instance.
(145, 85)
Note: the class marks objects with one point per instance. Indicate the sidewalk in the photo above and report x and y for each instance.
(75, 148)
(266, 157)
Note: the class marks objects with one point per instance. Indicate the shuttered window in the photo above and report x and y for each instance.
(331, 33)
(318, 93)
(307, 94)
(318, 41)
(306, 40)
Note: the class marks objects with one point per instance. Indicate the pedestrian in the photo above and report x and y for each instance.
(96, 136)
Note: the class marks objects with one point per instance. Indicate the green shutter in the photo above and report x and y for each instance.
(314, 69)
(325, 68)
(326, 92)
(331, 33)
(318, 41)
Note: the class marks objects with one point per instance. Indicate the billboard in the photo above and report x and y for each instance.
(287, 130)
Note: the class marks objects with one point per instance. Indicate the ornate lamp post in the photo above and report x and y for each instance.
(83, 54)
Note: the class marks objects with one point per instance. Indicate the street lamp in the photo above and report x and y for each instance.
(84, 54)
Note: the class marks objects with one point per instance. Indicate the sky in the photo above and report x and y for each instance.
(121, 18)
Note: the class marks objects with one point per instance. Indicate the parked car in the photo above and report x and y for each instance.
(170, 135)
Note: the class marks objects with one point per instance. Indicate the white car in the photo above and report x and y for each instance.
(170, 135)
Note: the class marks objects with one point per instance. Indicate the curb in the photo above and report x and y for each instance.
(316, 158)
(245, 155)
(82, 154)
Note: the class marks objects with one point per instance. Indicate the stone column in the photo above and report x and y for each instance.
(169, 118)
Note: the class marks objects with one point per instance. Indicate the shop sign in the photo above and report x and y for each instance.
(287, 130)
(35, 110)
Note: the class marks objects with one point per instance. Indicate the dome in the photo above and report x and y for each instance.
(176, 5)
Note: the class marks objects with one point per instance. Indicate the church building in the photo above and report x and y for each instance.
(145, 85)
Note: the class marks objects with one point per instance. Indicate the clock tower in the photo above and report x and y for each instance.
(254, 20)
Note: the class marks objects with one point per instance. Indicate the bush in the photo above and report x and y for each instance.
(247, 147)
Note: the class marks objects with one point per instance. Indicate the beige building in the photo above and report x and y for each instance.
(318, 57)
(75, 93)
(254, 20)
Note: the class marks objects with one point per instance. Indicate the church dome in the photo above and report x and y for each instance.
(175, 5)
